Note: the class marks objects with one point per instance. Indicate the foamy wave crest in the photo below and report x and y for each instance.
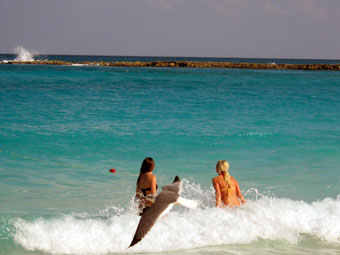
(266, 218)
(23, 54)
(256, 134)
(77, 64)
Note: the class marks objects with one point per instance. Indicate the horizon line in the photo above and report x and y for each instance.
(100, 55)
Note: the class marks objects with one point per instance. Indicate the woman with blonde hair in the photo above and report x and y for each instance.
(226, 187)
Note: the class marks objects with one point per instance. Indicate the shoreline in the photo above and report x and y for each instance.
(188, 64)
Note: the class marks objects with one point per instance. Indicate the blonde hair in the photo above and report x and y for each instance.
(222, 167)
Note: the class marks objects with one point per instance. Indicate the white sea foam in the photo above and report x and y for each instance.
(23, 54)
(77, 64)
(256, 134)
(112, 230)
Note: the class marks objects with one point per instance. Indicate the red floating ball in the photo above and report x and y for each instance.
(113, 170)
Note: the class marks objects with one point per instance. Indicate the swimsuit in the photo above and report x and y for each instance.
(147, 189)
(228, 190)
(149, 197)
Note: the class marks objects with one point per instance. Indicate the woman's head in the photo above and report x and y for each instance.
(147, 165)
(222, 166)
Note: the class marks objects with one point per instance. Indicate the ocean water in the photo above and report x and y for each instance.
(63, 127)
(23, 54)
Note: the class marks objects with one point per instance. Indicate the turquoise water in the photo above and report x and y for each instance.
(63, 127)
(92, 58)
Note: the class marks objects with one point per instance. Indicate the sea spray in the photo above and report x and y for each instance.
(110, 231)
(23, 54)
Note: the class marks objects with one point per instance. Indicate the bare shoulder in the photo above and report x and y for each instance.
(233, 179)
(215, 179)
(151, 177)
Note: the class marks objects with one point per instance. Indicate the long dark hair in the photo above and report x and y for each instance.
(147, 166)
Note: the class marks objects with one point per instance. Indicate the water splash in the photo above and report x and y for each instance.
(110, 230)
(23, 54)
(263, 219)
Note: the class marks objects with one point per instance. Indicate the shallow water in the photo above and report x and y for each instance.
(62, 128)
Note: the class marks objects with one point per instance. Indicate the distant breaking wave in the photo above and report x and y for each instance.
(23, 54)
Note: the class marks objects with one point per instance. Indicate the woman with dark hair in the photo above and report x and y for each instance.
(146, 187)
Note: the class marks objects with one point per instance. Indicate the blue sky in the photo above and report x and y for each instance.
(210, 28)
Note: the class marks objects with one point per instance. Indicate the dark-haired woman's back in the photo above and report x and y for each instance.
(146, 187)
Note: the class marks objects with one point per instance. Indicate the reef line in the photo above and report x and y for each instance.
(191, 64)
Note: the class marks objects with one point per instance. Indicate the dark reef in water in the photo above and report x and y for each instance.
(192, 64)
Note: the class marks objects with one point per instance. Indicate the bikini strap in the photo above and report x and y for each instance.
(226, 177)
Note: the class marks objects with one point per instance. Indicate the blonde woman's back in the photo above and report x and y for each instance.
(226, 187)
(228, 198)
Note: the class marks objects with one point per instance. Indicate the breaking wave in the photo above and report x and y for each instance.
(23, 54)
(112, 229)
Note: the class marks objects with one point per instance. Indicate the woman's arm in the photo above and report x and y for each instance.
(153, 185)
(217, 193)
(138, 192)
(239, 194)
